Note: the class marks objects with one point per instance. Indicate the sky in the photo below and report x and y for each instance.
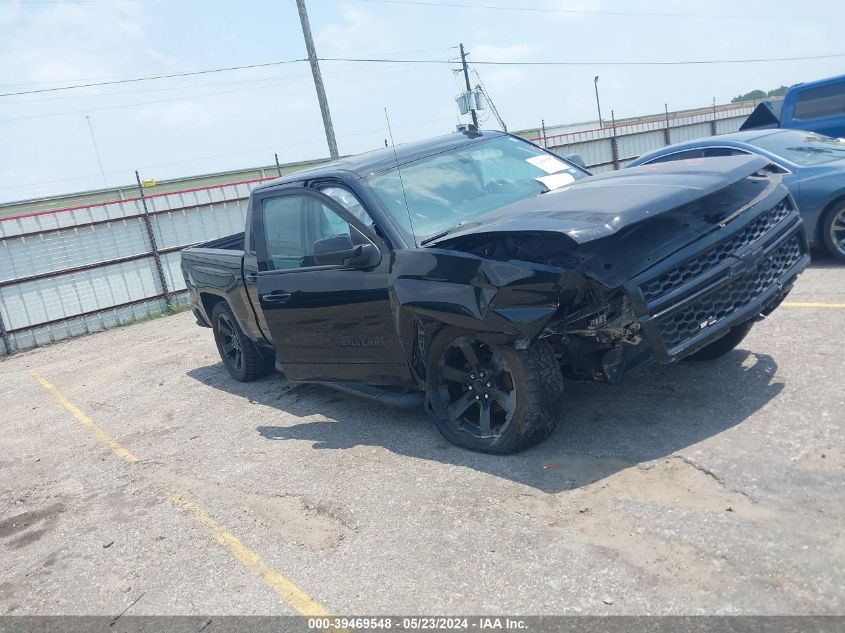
(219, 121)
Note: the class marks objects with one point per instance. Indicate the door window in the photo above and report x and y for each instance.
(711, 152)
(283, 232)
(685, 155)
(820, 102)
(291, 226)
(350, 202)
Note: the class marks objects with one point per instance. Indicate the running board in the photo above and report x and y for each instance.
(412, 400)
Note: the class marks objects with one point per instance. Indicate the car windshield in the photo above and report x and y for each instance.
(802, 148)
(459, 185)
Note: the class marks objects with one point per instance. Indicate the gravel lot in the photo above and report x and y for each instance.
(695, 488)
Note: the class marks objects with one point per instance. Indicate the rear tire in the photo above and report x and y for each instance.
(492, 398)
(240, 356)
(724, 345)
(833, 231)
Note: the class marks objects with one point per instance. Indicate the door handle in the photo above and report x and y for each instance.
(251, 276)
(275, 297)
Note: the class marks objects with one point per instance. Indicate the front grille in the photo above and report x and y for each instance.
(710, 309)
(669, 281)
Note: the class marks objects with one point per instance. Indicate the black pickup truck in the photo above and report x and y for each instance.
(470, 273)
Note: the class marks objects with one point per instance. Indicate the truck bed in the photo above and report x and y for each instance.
(229, 243)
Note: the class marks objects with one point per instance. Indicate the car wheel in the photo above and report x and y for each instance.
(241, 357)
(493, 398)
(726, 344)
(833, 231)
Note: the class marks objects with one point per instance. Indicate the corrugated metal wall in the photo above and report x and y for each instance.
(72, 271)
(80, 270)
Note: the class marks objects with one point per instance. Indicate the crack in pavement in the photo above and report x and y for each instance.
(713, 475)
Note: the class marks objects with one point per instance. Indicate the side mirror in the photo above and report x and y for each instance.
(338, 250)
(577, 160)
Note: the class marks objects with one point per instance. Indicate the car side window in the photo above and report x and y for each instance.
(283, 232)
(814, 103)
(291, 226)
(685, 155)
(350, 202)
(710, 152)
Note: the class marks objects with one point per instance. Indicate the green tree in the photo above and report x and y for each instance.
(754, 95)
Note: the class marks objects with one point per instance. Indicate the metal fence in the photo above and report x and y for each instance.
(616, 145)
(83, 269)
(71, 271)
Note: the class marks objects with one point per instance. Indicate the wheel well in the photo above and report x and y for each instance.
(209, 301)
(820, 227)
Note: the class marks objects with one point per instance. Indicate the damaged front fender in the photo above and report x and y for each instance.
(501, 301)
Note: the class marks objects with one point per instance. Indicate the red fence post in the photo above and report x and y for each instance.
(713, 122)
(4, 335)
(153, 245)
(614, 146)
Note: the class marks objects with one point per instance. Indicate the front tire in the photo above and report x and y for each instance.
(833, 231)
(240, 356)
(724, 345)
(493, 398)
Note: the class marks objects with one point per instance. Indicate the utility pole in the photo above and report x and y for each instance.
(318, 78)
(96, 150)
(469, 88)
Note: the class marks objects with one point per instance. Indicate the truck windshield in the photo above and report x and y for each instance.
(802, 148)
(459, 185)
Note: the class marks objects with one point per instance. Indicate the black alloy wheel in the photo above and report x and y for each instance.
(230, 343)
(241, 357)
(489, 397)
(475, 384)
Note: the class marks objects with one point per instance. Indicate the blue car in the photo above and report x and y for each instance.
(813, 167)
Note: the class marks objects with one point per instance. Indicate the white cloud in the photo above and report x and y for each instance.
(180, 114)
(510, 53)
(358, 32)
(49, 43)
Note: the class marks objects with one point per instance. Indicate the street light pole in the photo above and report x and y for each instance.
(598, 104)
(318, 78)
(96, 150)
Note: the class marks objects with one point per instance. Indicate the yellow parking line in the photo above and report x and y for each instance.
(284, 588)
(811, 304)
(87, 422)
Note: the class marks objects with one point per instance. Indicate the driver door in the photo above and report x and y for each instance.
(322, 287)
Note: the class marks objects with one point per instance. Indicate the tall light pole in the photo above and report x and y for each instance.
(318, 78)
(598, 104)
(96, 150)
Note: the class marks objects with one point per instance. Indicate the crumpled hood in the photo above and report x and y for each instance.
(602, 205)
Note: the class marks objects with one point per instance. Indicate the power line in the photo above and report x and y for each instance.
(263, 80)
(152, 77)
(132, 105)
(585, 63)
(110, 77)
(273, 83)
(464, 5)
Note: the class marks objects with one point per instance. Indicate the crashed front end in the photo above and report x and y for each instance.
(665, 287)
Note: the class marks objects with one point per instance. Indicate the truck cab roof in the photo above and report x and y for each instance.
(377, 160)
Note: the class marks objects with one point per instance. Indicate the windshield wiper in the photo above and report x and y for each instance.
(437, 236)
